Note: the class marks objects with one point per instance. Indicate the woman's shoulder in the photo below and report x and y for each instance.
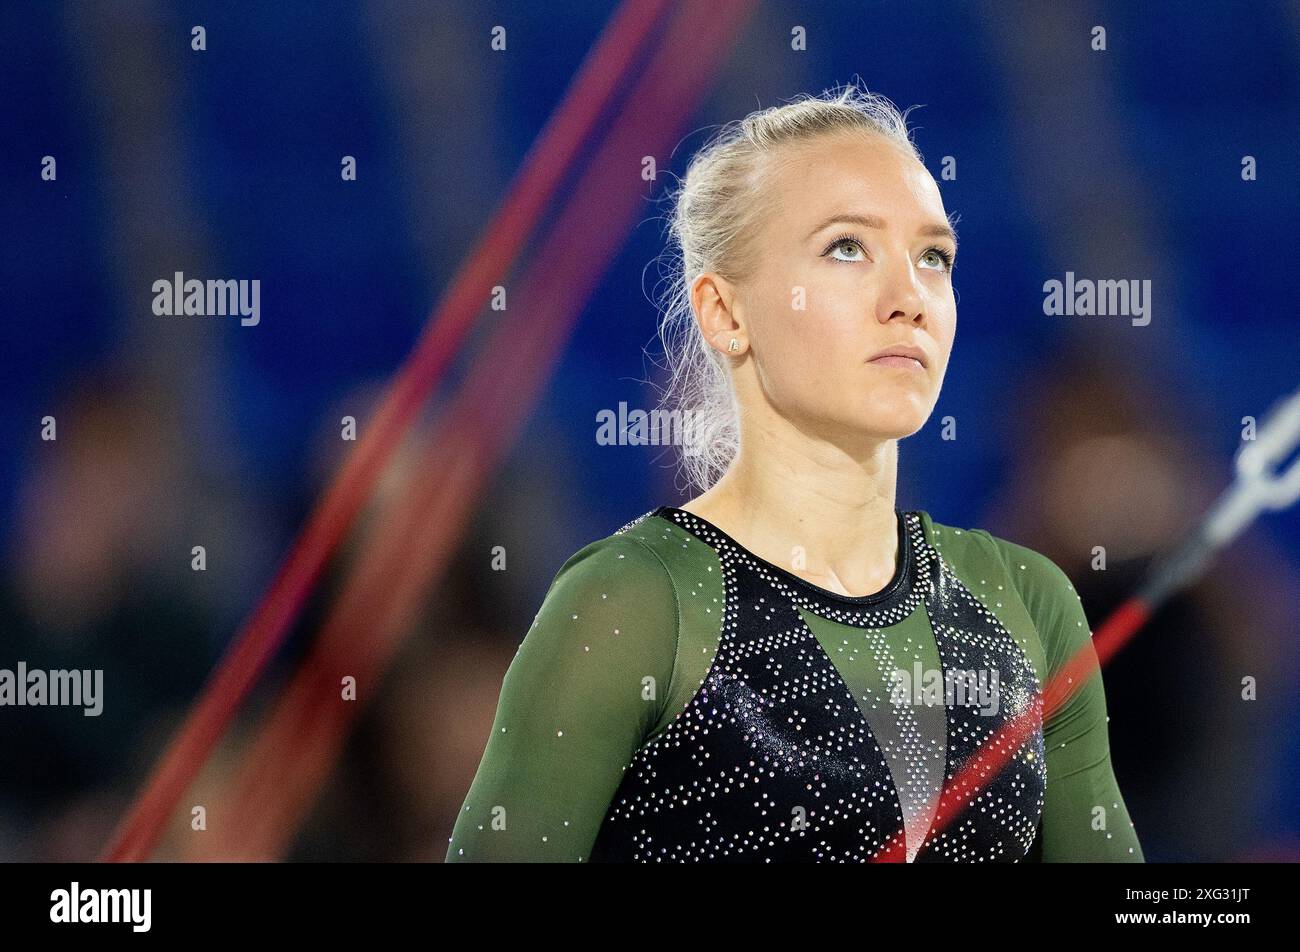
(613, 598)
(623, 558)
(1037, 577)
(1042, 585)
(643, 556)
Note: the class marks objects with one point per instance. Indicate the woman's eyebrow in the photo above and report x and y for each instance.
(875, 221)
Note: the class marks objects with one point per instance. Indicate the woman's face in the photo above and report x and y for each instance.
(853, 260)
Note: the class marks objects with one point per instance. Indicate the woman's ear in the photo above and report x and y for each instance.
(714, 300)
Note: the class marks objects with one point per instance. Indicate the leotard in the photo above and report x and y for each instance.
(680, 699)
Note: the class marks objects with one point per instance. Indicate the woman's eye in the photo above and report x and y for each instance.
(849, 245)
(938, 259)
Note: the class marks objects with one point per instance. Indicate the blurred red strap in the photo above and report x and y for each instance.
(599, 81)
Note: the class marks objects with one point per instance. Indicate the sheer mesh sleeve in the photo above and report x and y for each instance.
(583, 692)
(1084, 816)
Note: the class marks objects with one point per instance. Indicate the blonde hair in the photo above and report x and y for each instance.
(714, 207)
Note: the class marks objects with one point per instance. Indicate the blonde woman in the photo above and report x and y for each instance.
(787, 668)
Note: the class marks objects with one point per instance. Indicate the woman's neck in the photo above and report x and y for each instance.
(811, 508)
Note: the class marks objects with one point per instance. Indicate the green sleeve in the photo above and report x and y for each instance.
(1084, 816)
(583, 692)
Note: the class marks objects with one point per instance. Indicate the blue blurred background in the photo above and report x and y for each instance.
(1071, 431)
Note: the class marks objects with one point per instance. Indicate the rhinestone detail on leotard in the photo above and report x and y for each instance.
(773, 759)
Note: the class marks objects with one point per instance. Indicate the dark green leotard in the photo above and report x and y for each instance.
(677, 698)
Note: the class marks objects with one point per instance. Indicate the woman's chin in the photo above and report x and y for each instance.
(895, 427)
(895, 420)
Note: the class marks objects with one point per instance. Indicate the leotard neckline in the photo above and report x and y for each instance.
(903, 570)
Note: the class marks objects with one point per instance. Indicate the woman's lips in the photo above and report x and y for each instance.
(907, 363)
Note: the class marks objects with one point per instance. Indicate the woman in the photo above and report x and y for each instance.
(786, 667)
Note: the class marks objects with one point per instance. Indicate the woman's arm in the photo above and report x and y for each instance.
(1084, 816)
(583, 692)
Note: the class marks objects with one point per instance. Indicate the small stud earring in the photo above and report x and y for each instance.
(734, 345)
